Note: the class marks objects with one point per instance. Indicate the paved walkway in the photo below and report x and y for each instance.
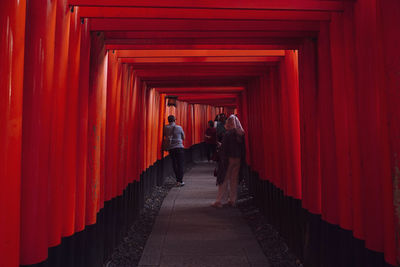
(190, 233)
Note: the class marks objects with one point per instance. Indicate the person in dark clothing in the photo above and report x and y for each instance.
(221, 127)
(211, 140)
(176, 149)
(232, 155)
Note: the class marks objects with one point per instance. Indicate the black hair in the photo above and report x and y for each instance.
(171, 118)
(211, 123)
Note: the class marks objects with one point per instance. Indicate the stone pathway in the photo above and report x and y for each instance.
(190, 233)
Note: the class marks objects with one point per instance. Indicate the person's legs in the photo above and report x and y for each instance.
(208, 149)
(213, 150)
(180, 163)
(233, 181)
(222, 189)
(173, 153)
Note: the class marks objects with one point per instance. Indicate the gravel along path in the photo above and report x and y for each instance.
(272, 244)
(129, 251)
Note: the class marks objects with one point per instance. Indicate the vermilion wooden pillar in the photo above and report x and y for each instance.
(82, 130)
(56, 160)
(376, 119)
(244, 119)
(263, 162)
(371, 137)
(309, 134)
(267, 107)
(129, 128)
(38, 82)
(161, 122)
(103, 117)
(291, 122)
(97, 87)
(276, 140)
(189, 133)
(344, 110)
(157, 126)
(251, 125)
(121, 141)
(70, 127)
(329, 179)
(112, 122)
(135, 128)
(145, 147)
(260, 160)
(12, 36)
(269, 127)
(131, 143)
(140, 119)
(389, 13)
(352, 117)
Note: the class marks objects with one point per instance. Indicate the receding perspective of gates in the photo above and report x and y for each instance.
(86, 87)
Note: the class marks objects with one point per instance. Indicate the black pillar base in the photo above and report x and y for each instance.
(314, 241)
(92, 246)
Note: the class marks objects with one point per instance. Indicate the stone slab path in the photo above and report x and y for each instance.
(190, 233)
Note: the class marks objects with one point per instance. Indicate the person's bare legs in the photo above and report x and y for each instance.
(221, 192)
(231, 174)
(233, 181)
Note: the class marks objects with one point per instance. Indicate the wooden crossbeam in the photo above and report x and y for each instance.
(293, 46)
(199, 59)
(220, 4)
(232, 34)
(205, 14)
(204, 41)
(118, 24)
(198, 53)
(200, 89)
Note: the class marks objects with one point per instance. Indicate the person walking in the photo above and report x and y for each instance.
(211, 140)
(232, 154)
(174, 135)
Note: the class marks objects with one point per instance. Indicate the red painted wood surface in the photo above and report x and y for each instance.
(199, 25)
(290, 120)
(389, 14)
(56, 159)
(82, 128)
(137, 84)
(374, 135)
(211, 34)
(12, 42)
(70, 128)
(329, 179)
(242, 4)
(131, 142)
(185, 13)
(38, 88)
(97, 88)
(113, 103)
(309, 133)
(315, 84)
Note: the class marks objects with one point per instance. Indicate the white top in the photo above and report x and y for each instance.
(177, 135)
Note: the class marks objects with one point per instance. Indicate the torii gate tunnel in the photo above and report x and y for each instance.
(83, 87)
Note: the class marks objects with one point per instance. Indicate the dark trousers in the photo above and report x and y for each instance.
(178, 160)
(210, 150)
